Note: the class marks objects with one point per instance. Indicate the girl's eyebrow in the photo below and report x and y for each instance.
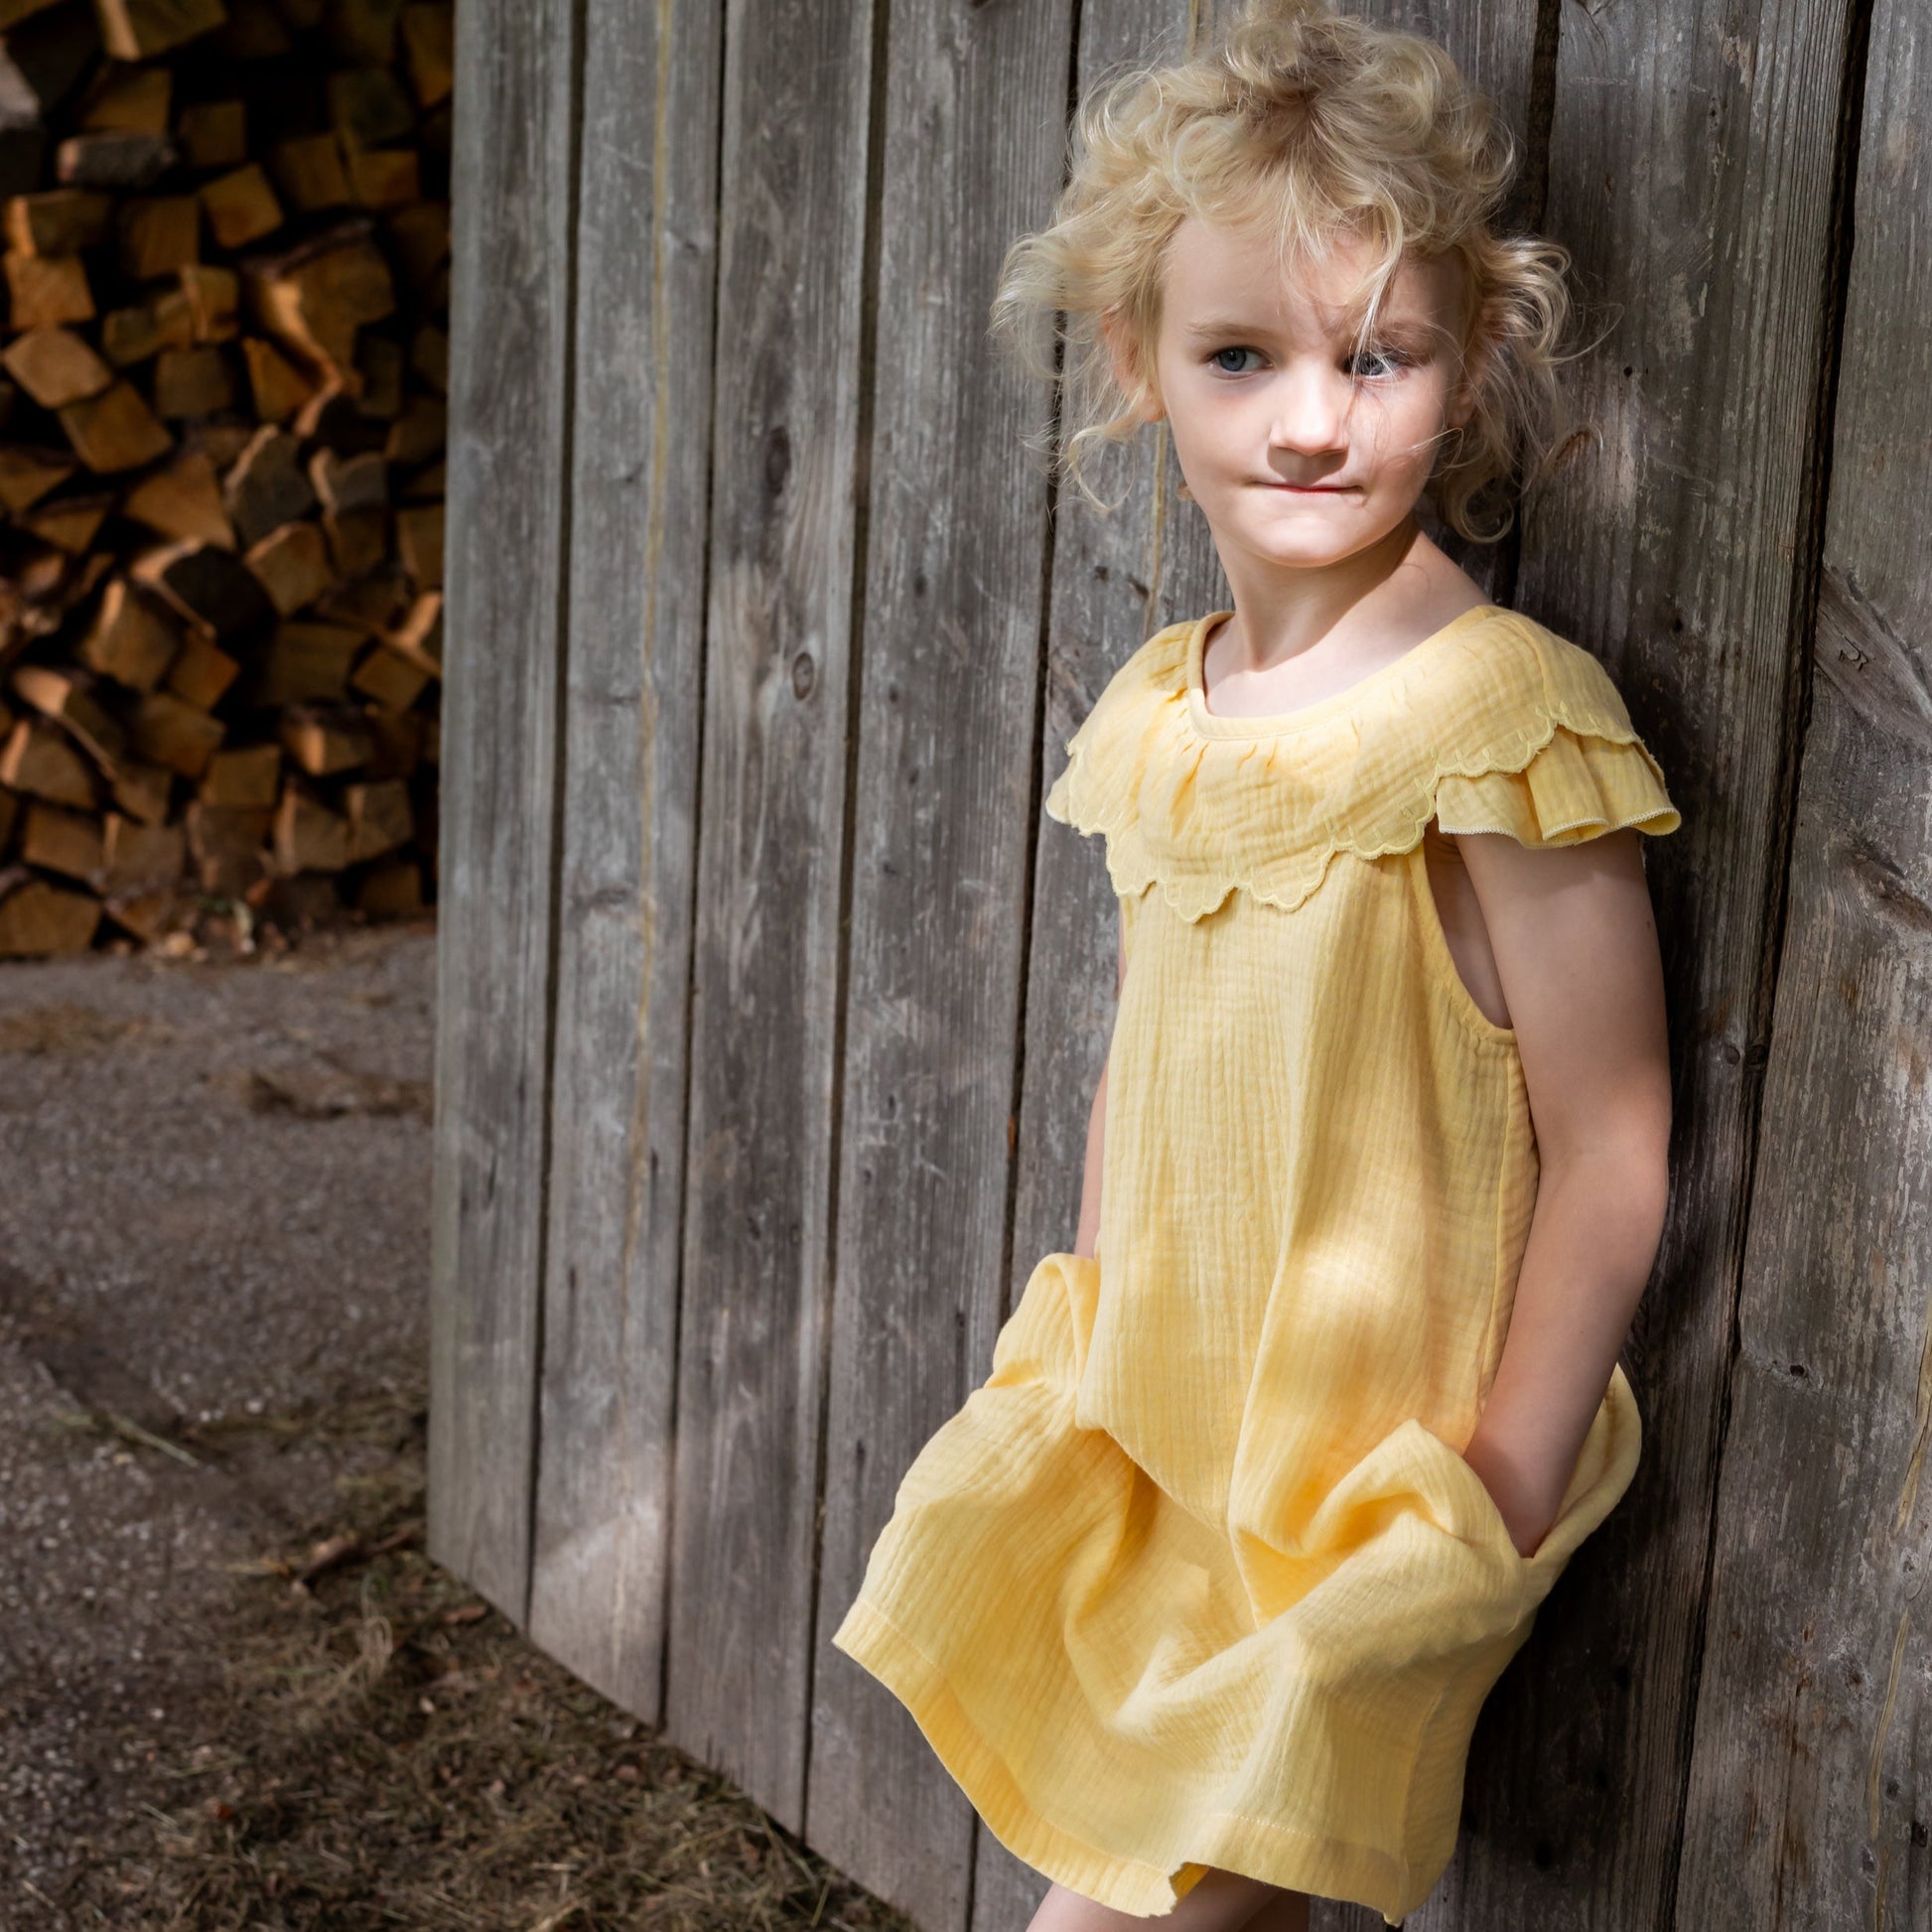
(1226, 325)
(1404, 330)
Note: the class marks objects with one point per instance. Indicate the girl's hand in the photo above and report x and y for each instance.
(1525, 1516)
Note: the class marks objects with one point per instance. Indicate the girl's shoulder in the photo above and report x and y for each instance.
(1505, 662)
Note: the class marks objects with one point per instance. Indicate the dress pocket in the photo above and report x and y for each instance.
(1045, 1337)
(1602, 1471)
(1468, 1510)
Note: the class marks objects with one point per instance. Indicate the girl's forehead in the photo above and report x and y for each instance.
(1212, 263)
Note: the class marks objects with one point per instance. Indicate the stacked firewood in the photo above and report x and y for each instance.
(221, 439)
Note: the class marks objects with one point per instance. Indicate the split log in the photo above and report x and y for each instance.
(368, 108)
(379, 817)
(133, 30)
(200, 673)
(55, 367)
(169, 733)
(250, 775)
(38, 760)
(419, 543)
(120, 160)
(215, 134)
(69, 523)
(227, 846)
(115, 430)
(66, 698)
(45, 289)
(142, 329)
(137, 857)
(316, 298)
(143, 791)
(194, 382)
(213, 297)
(242, 207)
(37, 919)
(323, 741)
(268, 485)
(280, 388)
(428, 48)
(293, 566)
(130, 641)
(209, 585)
(61, 221)
(308, 173)
(26, 475)
(307, 835)
(60, 840)
(128, 100)
(306, 661)
(159, 234)
(183, 500)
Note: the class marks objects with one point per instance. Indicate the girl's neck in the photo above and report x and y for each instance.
(1358, 609)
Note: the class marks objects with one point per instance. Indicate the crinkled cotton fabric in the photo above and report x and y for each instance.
(1198, 1575)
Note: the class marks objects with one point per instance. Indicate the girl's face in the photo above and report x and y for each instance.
(1300, 451)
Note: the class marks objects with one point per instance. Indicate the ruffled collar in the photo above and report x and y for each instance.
(1205, 805)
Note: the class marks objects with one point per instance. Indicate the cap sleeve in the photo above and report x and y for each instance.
(1587, 773)
(1098, 789)
(1576, 787)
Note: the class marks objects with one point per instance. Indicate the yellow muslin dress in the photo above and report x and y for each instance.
(1199, 1576)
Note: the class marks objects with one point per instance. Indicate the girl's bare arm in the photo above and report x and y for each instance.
(1576, 949)
(1090, 1233)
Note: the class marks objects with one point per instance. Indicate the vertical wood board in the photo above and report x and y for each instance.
(646, 263)
(784, 459)
(943, 805)
(509, 435)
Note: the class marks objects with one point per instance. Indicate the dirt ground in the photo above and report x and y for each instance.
(233, 1692)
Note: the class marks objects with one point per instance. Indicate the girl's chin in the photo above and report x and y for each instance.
(1309, 546)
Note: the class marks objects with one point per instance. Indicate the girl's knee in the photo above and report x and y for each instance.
(1220, 1901)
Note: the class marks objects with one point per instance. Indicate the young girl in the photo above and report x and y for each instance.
(1200, 1594)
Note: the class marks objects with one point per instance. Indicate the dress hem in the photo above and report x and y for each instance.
(1257, 1847)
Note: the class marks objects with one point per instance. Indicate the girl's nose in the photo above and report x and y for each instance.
(1309, 412)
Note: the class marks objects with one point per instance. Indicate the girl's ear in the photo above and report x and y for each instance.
(1462, 407)
(1136, 385)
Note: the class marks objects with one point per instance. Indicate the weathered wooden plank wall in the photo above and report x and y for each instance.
(771, 1008)
(1810, 1792)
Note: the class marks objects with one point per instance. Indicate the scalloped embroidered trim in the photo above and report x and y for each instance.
(1194, 889)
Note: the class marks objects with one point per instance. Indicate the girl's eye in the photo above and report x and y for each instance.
(1374, 363)
(1390, 360)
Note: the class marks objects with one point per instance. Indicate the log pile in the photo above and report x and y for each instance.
(221, 439)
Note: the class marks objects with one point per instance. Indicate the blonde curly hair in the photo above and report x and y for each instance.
(1320, 126)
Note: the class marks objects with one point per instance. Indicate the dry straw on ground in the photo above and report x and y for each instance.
(390, 1753)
